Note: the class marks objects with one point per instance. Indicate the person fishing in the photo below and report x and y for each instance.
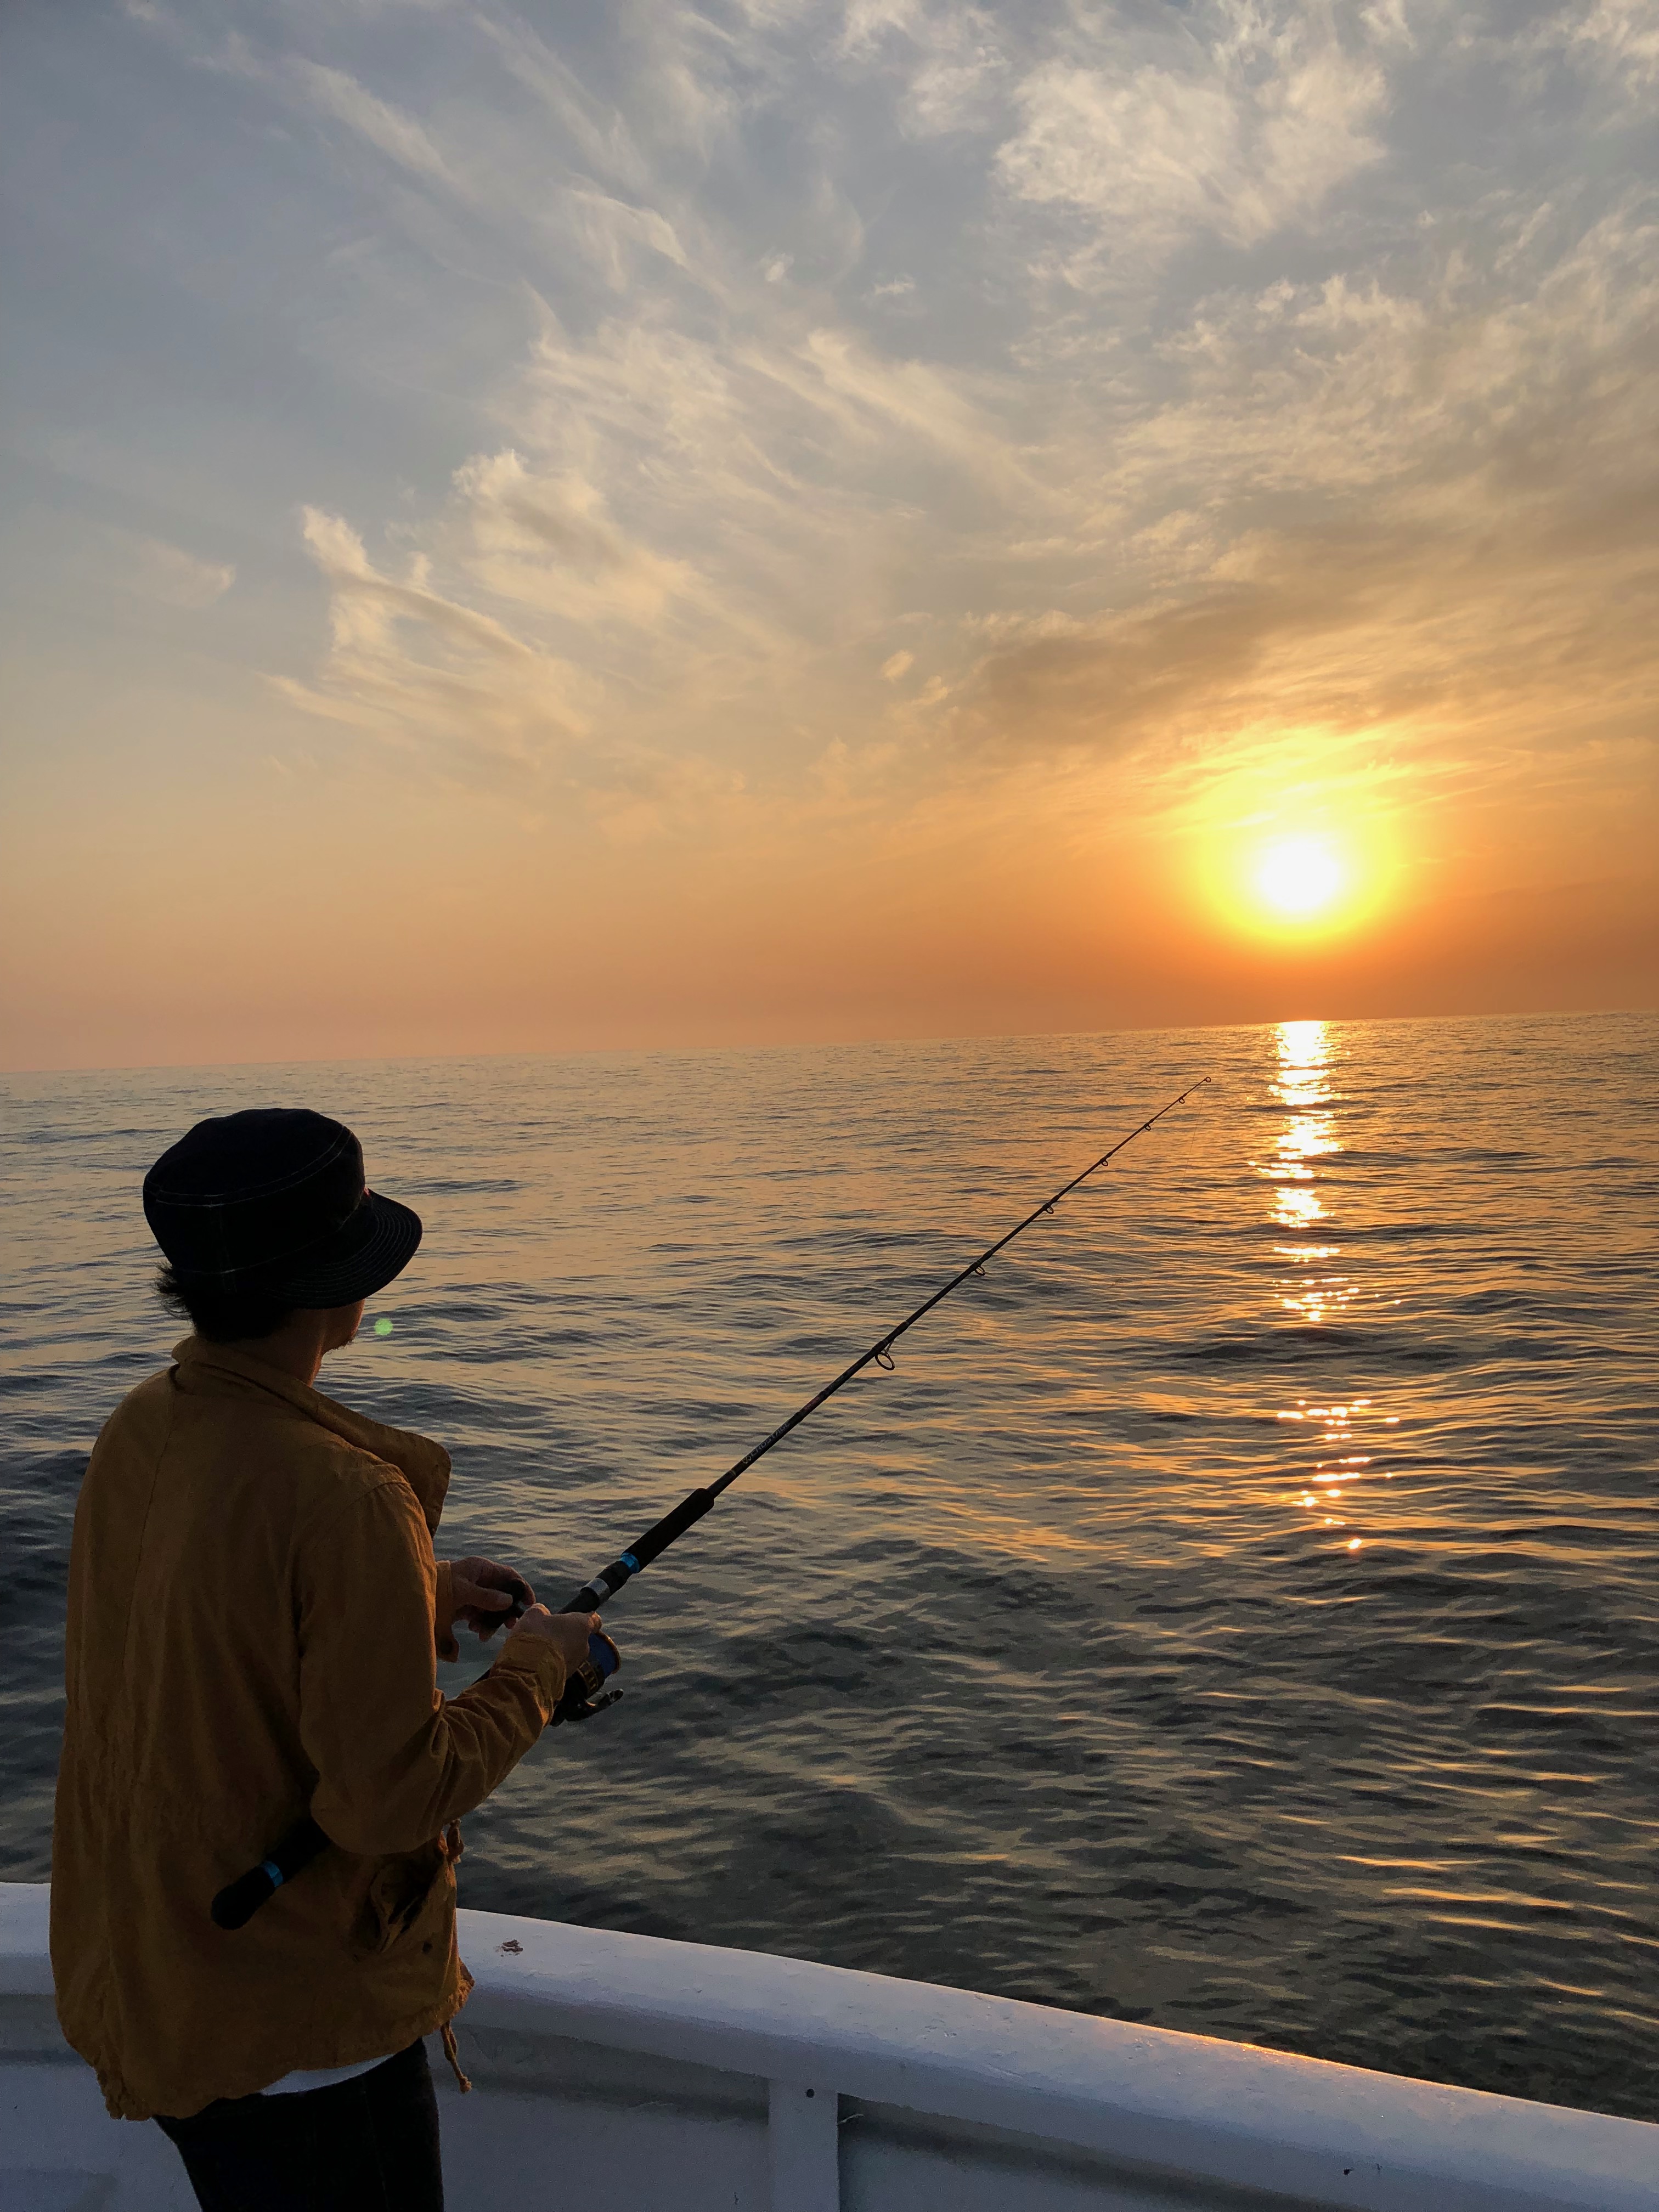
(255, 1614)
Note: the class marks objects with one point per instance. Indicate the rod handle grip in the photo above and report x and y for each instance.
(656, 1539)
(239, 1900)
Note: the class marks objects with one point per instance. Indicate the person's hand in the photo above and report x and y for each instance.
(487, 1596)
(568, 1630)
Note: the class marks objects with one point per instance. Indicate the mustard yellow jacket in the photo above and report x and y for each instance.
(254, 1614)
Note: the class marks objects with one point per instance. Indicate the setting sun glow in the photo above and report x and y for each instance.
(1295, 886)
(1299, 878)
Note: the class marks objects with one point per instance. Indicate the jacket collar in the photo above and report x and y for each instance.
(216, 1370)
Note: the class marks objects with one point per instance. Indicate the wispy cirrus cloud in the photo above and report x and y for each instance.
(161, 571)
(1236, 123)
(1619, 38)
(1069, 381)
(1421, 520)
(547, 542)
(334, 94)
(598, 138)
(409, 666)
(953, 62)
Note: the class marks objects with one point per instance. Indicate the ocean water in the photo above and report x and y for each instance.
(1239, 1610)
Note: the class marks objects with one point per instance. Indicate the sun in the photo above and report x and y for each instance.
(1298, 878)
(1295, 879)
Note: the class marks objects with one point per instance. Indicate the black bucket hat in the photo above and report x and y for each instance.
(272, 1203)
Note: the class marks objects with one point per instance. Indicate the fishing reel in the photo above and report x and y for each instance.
(585, 1691)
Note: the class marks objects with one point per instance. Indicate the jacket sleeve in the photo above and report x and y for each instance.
(443, 1614)
(395, 1760)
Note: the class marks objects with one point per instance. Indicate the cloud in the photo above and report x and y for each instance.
(332, 92)
(598, 134)
(1426, 520)
(318, 87)
(547, 541)
(717, 489)
(410, 666)
(1301, 439)
(167, 573)
(949, 61)
(614, 234)
(1484, 618)
(1238, 134)
(1471, 387)
(1618, 37)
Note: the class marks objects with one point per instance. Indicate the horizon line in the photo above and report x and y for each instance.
(817, 1044)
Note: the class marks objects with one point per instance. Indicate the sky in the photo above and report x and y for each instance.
(545, 528)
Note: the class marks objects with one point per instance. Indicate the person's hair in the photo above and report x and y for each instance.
(222, 1316)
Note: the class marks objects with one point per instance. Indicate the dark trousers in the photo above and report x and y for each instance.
(366, 2145)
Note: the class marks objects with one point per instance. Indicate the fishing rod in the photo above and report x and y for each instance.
(585, 1692)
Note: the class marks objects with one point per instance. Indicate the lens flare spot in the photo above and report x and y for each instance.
(383, 1327)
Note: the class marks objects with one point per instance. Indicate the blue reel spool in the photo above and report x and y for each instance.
(584, 1692)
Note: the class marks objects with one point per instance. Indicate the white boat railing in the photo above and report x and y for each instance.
(626, 2074)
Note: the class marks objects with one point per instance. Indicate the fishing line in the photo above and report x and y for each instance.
(585, 1693)
(690, 1510)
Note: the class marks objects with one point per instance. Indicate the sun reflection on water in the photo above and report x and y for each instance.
(1318, 1290)
(1307, 1138)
